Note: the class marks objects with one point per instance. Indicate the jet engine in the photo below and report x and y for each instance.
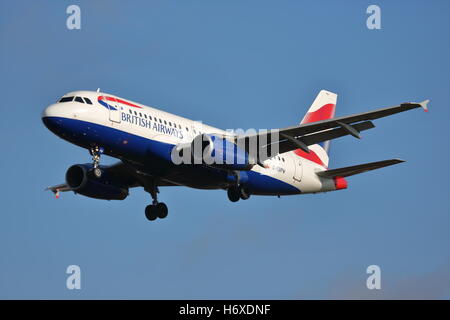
(81, 179)
(220, 152)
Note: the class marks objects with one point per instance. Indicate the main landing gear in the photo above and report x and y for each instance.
(238, 192)
(96, 153)
(156, 209)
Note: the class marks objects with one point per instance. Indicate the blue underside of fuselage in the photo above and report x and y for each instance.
(155, 157)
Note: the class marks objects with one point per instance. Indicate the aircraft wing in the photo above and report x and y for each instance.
(301, 136)
(59, 188)
(126, 173)
(360, 168)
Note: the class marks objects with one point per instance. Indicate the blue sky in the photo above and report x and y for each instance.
(231, 64)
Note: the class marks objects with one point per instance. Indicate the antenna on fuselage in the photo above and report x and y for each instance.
(98, 89)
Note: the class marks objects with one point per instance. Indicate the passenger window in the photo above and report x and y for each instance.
(140, 114)
(145, 116)
(160, 121)
(135, 113)
(88, 101)
(78, 99)
(187, 129)
(150, 117)
(170, 123)
(130, 111)
(66, 99)
(165, 122)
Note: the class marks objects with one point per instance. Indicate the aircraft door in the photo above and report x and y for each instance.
(114, 111)
(298, 169)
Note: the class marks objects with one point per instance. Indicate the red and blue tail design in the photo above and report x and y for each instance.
(323, 108)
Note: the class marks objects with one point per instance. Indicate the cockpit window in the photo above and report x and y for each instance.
(88, 101)
(66, 99)
(79, 99)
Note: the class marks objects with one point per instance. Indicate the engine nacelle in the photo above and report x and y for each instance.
(79, 177)
(219, 152)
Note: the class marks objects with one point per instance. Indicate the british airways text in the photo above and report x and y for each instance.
(153, 125)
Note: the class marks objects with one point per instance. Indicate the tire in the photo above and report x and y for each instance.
(233, 194)
(151, 212)
(244, 194)
(162, 210)
(97, 172)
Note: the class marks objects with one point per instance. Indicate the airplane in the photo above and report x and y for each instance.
(147, 141)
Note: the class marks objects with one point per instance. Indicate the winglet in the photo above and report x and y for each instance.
(424, 104)
(54, 190)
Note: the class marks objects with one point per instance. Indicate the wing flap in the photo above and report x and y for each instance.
(360, 168)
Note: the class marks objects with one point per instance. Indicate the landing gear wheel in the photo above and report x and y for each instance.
(233, 194)
(162, 210)
(156, 209)
(151, 212)
(97, 172)
(244, 193)
(96, 153)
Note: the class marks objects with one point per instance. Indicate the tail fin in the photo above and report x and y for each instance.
(322, 108)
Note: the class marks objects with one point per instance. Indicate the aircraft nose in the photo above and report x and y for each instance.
(50, 111)
(51, 116)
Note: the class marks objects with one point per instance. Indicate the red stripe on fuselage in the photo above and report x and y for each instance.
(323, 113)
(119, 101)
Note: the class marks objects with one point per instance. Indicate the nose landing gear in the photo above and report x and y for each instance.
(156, 209)
(96, 153)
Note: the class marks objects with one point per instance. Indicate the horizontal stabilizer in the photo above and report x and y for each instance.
(360, 168)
